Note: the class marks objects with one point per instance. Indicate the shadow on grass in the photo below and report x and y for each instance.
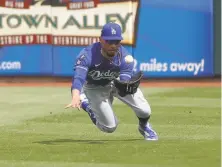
(57, 141)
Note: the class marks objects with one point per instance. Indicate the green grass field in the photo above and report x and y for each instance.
(36, 130)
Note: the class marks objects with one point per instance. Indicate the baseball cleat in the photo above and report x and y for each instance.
(148, 133)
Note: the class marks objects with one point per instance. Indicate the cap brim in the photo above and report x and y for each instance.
(112, 38)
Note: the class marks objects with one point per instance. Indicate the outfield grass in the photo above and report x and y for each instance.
(36, 130)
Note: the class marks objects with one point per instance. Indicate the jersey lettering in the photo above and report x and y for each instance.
(98, 75)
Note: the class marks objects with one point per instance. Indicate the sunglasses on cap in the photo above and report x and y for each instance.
(110, 42)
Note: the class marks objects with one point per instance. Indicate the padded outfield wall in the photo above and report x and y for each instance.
(166, 38)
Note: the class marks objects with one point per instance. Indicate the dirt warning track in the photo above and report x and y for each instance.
(66, 82)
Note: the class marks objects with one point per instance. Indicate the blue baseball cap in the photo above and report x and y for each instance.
(111, 31)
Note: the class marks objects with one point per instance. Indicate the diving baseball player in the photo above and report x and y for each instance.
(104, 70)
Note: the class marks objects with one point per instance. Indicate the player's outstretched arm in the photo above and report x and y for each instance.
(75, 103)
(81, 68)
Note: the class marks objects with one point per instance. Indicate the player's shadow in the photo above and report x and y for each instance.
(58, 141)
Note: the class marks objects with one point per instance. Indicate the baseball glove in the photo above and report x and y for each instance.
(128, 87)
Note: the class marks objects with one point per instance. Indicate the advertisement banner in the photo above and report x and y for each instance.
(166, 38)
(78, 23)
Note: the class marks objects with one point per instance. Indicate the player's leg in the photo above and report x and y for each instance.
(86, 107)
(142, 110)
(97, 102)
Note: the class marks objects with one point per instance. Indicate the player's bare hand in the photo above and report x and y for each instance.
(75, 103)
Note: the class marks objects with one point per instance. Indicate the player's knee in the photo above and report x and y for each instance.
(107, 129)
(144, 111)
